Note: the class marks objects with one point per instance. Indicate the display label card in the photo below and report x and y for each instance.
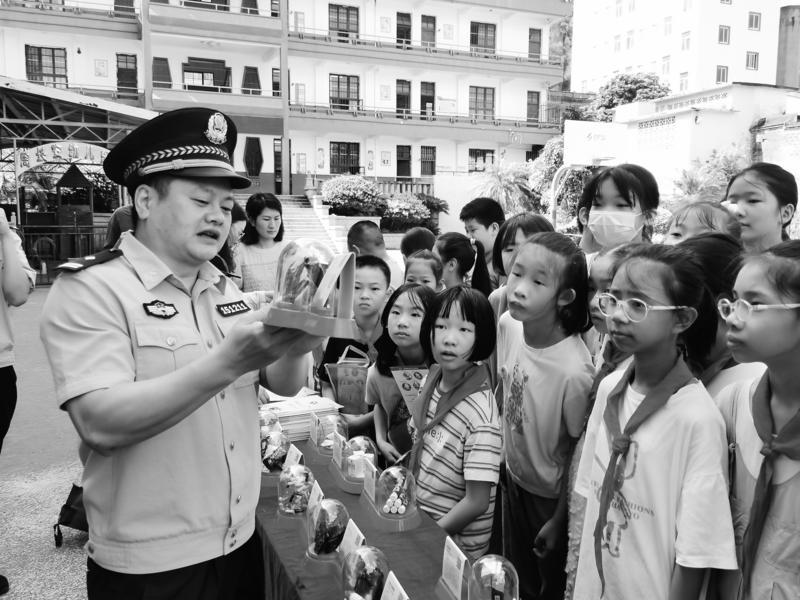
(409, 382)
(370, 477)
(338, 447)
(314, 498)
(392, 590)
(314, 429)
(293, 456)
(453, 563)
(353, 538)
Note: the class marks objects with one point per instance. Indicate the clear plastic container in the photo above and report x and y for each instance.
(328, 425)
(355, 454)
(326, 527)
(294, 488)
(269, 419)
(493, 577)
(274, 447)
(396, 492)
(364, 573)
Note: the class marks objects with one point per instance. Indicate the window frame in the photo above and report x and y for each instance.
(48, 72)
(427, 159)
(349, 102)
(344, 167)
(428, 28)
(753, 21)
(478, 105)
(722, 69)
(683, 81)
(724, 34)
(686, 41)
(342, 26)
(474, 154)
(480, 31)
(538, 104)
(755, 59)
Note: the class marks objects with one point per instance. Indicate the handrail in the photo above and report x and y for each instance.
(108, 7)
(213, 6)
(376, 41)
(90, 89)
(215, 89)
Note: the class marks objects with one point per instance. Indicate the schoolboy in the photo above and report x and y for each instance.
(365, 239)
(482, 218)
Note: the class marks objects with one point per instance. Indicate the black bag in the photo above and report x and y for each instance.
(72, 515)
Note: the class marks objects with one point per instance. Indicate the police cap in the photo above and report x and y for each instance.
(188, 142)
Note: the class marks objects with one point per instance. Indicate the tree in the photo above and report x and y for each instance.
(507, 183)
(708, 179)
(624, 89)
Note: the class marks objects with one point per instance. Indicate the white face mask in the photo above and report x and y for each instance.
(611, 228)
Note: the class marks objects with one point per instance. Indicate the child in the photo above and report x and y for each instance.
(616, 207)
(482, 218)
(546, 372)
(719, 255)
(763, 422)
(424, 268)
(457, 442)
(700, 217)
(399, 345)
(458, 257)
(651, 471)
(512, 234)
(371, 288)
(416, 238)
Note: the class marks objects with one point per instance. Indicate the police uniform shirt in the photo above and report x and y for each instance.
(188, 494)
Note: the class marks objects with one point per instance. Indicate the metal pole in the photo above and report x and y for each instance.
(16, 182)
(147, 41)
(555, 188)
(286, 156)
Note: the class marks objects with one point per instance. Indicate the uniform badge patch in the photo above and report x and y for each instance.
(217, 131)
(160, 309)
(232, 308)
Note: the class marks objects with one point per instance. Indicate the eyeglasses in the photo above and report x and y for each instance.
(634, 309)
(742, 309)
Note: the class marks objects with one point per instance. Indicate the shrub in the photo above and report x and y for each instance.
(403, 212)
(350, 195)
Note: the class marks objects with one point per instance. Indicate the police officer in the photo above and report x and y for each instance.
(156, 359)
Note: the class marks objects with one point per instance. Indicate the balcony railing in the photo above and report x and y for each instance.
(220, 7)
(96, 91)
(109, 8)
(548, 117)
(215, 89)
(387, 186)
(438, 47)
(569, 97)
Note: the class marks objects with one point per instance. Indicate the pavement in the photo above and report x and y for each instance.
(38, 465)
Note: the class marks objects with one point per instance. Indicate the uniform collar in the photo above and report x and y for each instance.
(152, 270)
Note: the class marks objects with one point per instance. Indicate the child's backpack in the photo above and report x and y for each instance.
(72, 515)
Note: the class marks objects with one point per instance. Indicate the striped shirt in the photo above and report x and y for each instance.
(464, 446)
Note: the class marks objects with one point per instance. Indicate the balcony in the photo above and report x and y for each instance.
(188, 17)
(244, 102)
(424, 124)
(129, 96)
(368, 48)
(387, 186)
(116, 18)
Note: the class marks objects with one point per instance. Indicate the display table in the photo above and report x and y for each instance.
(415, 556)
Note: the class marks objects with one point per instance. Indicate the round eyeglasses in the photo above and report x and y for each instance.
(742, 309)
(634, 309)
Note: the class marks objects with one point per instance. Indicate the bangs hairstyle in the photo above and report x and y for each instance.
(574, 316)
(458, 247)
(777, 180)
(367, 261)
(720, 257)
(254, 207)
(435, 263)
(683, 279)
(484, 210)
(782, 268)
(632, 181)
(473, 307)
(528, 223)
(421, 297)
(712, 216)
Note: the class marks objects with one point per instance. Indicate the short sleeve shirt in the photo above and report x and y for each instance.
(188, 494)
(6, 337)
(383, 390)
(258, 266)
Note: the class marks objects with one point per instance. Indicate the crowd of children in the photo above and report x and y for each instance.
(619, 418)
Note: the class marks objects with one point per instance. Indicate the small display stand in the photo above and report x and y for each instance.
(453, 584)
(294, 490)
(493, 578)
(347, 466)
(391, 503)
(326, 526)
(364, 573)
(322, 434)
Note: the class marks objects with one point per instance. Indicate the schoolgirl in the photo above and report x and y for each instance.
(457, 254)
(425, 268)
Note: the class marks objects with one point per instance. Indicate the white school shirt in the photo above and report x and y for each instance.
(675, 489)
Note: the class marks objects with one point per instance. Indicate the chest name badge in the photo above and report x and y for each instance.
(160, 309)
(232, 308)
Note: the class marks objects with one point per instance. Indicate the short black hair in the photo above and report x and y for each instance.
(634, 182)
(421, 296)
(367, 261)
(255, 206)
(484, 210)
(417, 238)
(436, 265)
(358, 231)
(474, 308)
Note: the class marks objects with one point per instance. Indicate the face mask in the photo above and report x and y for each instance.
(611, 228)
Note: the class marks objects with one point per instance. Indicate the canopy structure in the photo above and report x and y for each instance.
(74, 179)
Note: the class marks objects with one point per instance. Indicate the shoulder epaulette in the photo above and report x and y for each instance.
(73, 265)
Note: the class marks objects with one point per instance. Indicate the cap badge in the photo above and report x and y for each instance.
(217, 129)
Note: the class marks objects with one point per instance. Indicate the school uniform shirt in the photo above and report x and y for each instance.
(383, 390)
(258, 267)
(6, 337)
(464, 446)
(188, 494)
(734, 374)
(776, 569)
(545, 400)
(675, 491)
(498, 299)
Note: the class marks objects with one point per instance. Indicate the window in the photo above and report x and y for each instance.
(403, 98)
(631, 5)
(724, 35)
(667, 25)
(754, 21)
(722, 74)
(251, 82)
(403, 29)
(481, 102)
(618, 8)
(534, 152)
(343, 21)
(404, 161)
(479, 158)
(687, 4)
(253, 159)
(482, 37)
(665, 65)
(427, 98)
(683, 82)
(617, 44)
(299, 21)
(275, 8)
(534, 43)
(249, 7)
(686, 40)
(126, 74)
(46, 65)
(533, 107)
(277, 160)
(123, 6)
(752, 61)
(206, 74)
(276, 82)
(428, 160)
(343, 91)
(428, 31)
(629, 40)
(345, 158)
(300, 93)
(724, 1)
(162, 78)
(197, 80)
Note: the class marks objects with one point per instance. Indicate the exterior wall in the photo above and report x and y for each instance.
(789, 47)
